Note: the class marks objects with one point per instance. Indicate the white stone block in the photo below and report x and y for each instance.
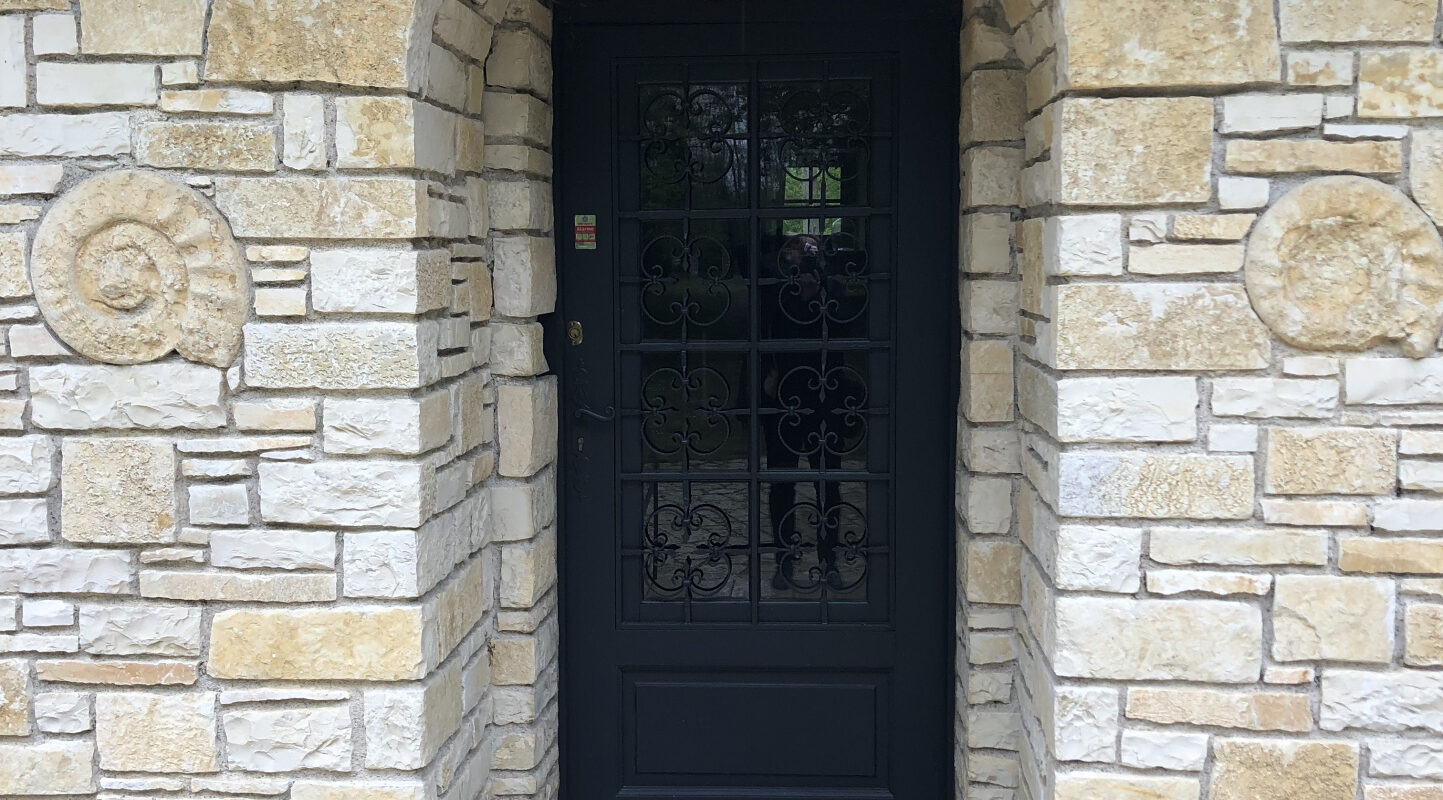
(380, 281)
(82, 85)
(66, 571)
(381, 564)
(1129, 639)
(1310, 366)
(1154, 749)
(24, 520)
(180, 73)
(273, 549)
(31, 178)
(1098, 558)
(1393, 381)
(336, 355)
(1381, 701)
(264, 740)
(26, 464)
(1127, 409)
(217, 101)
(65, 135)
(1320, 69)
(1083, 244)
(1147, 228)
(1405, 515)
(1185, 259)
(1266, 113)
(47, 614)
(1262, 398)
(149, 629)
(1355, 132)
(1236, 194)
(55, 35)
(404, 426)
(1155, 485)
(303, 117)
(1337, 106)
(1085, 723)
(212, 504)
(1233, 438)
(62, 712)
(165, 395)
(12, 61)
(1405, 758)
(1426, 476)
(36, 341)
(345, 493)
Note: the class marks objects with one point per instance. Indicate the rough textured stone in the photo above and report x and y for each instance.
(1150, 749)
(140, 630)
(145, 732)
(1331, 461)
(284, 740)
(131, 265)
(14, 701)
(1245, 769)
(146, 396)
(1200, 43)
(1185, 259)
(1257, 711)
(353, 790)
(1382, 701)
(62, 712)
(1094, 786)
(322, 644)
(25, 464)
(527, 419)
(1403, 758)
(72, 135)
(1358, 20)
(318, 208)
(345, 493)
(1129, 639)
(117, 672)
(1283, 156)
(1319, 617)
(1423, 638)
(280, 41)
(1126, 409)
(1400, 84)
(1100, 139)
(1390, 555)
(1155, 486)
(377, 355)
(1158, 327)
(226, 147)
(237, 588)
(1274, 397)
(1241, 547)
(1393, 381)
(117, 491)
(273, 549)
(1345, 263)
(47, 768)
(142, 27)
(380, 281)
(1170, 582)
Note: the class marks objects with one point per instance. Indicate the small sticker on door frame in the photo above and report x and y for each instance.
(585, 226)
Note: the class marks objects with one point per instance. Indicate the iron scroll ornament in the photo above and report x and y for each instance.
(819, 132)
(686, 135)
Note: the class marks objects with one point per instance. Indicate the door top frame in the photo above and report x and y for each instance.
(675, 12)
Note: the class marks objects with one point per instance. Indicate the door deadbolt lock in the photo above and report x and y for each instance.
(574, 333)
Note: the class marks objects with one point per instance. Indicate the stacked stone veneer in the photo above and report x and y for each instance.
(276, 493)
(1223, 285)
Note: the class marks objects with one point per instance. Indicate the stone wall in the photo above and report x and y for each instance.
(275, 482)
(1231, 288)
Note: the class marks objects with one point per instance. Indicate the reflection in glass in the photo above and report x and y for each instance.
(694, 279)
(818, 542)
(694, 145)
(815, 142)
(818, 288)
(693, 410)
(694, 541)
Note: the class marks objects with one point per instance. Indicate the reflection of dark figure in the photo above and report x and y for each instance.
(804, 403)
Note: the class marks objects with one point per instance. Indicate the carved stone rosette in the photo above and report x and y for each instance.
(130, 265)
(1346, 263)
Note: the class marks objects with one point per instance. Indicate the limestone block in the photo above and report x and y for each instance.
(523, 205)
(1375, 556)
(382, 564)
(42, 768)
(1169, 582)
(517, 350)
(275, 415)
(1128, 639)
(237, 588)
(1093, 786)
(34, 5)
(1154, 749)
(526, 423)
(1164, 326)
(14, 700)
(337, 355)
(142, 27)
(303, 116)
(1421, 475)
(1097, 558)
(223, 147)
(1407, 515)
(1381, 701)
(1393, 381)
(26, 464)
(117, 672)
(1084, 723)
(1400, 84)
(406, 426)
(992, 106)
(394, 133)
(380, 281)
(1423, 637)
(277, 41)
(116, 491)
(1284, 156)
(260, 739)
(988, 392)
(406, 727)
(1248, 769)
(345, 493)
(14, 276)
(1345, 263)
(151, 732)
(65, 135)
(1212, 227)
(370, 789)
(988, 504)
(65, 571)
(1099, 140)
(167, 395)
(990, 176)
(1127, 409)
(1403, 758)
(147, 629)
(1267, 113)
(1331, 461)
(524, 275)
(90, 85)
(217, 101)
(180, 73)
(1334, 513)
(47, 614)
(16, 179)
(528, 570)
(1185, 259)
(352, 643)
(324, 208)
(1319, 617)
(520, 60)
(463, 29)
(185, 288)
(1113, 45)
(521, 118)
(1155, 485)
(1358, 20)
(1263, 398)
(1239, 547)
(1083, 244)
(1255, 711)
(273, 549)
(62, 712)
(521, 510)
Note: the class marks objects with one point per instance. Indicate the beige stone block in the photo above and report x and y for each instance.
(1358, 20)
(1255, 711)
(275, 415)
(990, 176)
(1170, 582)
(994, 572)
(1283, 156)
(1185, 259)
(117, 491)
(219, 146)
(370, 789)
(14, 277)
(375, 355)
(1155, 486)
(1320, 617)
(217, 101)
(1385, 792)
(238, 588)
(378, 43)
(1331, 461)
(526, 417)
(1307, 513)
(145, 732)
(47, 768)
(520, 117)
(1173, 326)
(992, 106)
(520, 60)
(1374, 556)
(1212, 227)
(114, 672)
(989, 392)
(14, 700)
(524, 280)
(1197, 43)
(142, 27)
(1101, 138)
(1400, 83)
(1097, 786)
(317, 208)
(353, 643)
(1320, 69)
(1128, 639)
(1283, 770)
(1423, 635)
(1240, 547)
(34, 5)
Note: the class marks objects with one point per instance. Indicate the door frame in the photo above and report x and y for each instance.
(578, 14)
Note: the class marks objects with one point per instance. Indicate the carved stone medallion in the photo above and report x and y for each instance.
(1345, 263)
(131, 265)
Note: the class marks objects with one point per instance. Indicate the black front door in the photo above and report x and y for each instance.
(756, 235)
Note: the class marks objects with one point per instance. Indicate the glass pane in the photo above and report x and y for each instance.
(816, 144)
(694, 411)
(694, 278)
(693, 145)
(815, 540)
(694, 541)
(815, 284)
(814, 413)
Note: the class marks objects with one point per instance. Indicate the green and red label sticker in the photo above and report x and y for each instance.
(585, 231)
